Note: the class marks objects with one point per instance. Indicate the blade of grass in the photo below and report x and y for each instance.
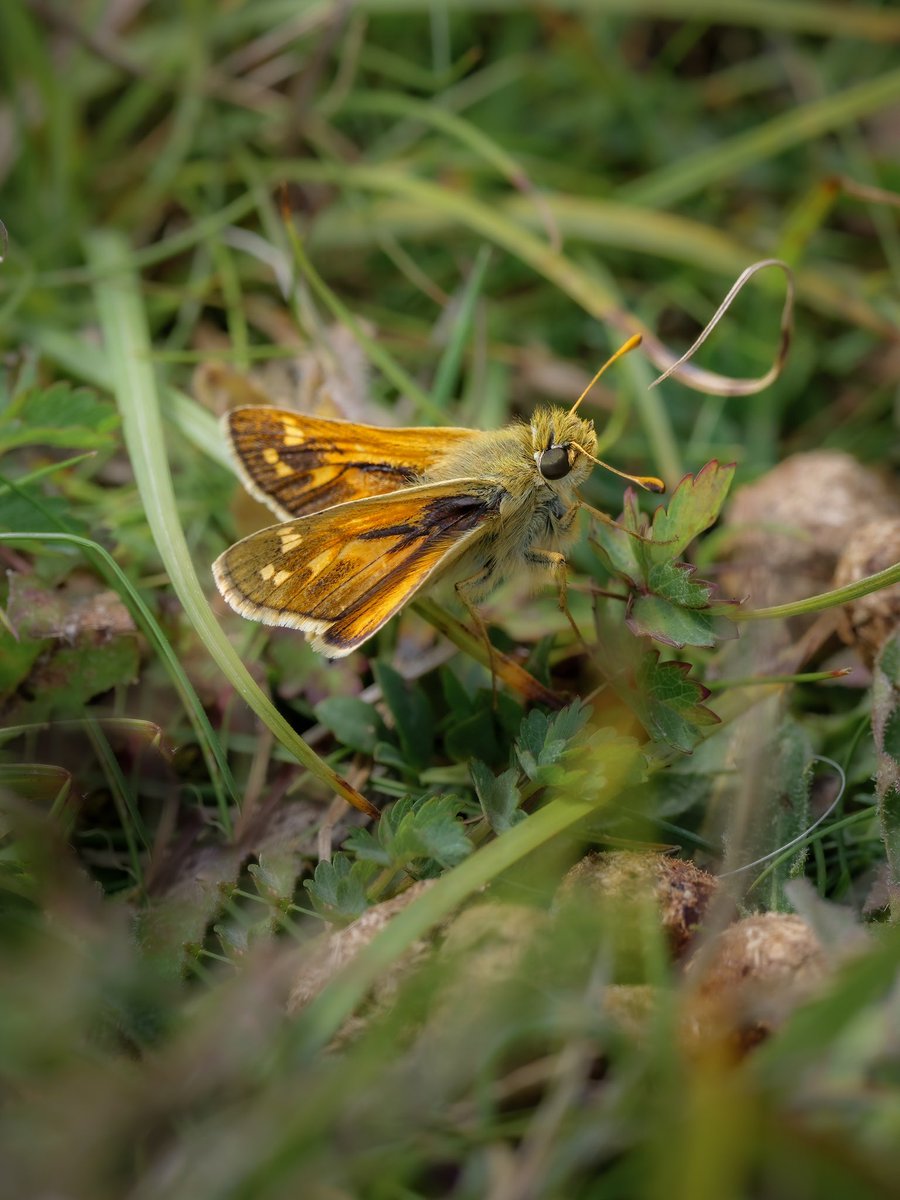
(446, 374)
(455, 126)
(109, 569)
(800, 16)
(674, 237)
(148, 731)
(689, 175)
(129, 816)
(127, 341)
(385, 362)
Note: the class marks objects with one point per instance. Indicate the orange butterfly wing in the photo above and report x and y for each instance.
(339, 575)
(297, 464)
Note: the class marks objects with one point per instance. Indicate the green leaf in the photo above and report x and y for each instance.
(886, 728)
(482, 730)
(353, 722)
(432, 830)
(617, 544)
(651, 616)
(473, 736)
(412, 713)
(674, 581)
(415, 832)
(17, 656)
(543, 739)
(64, 681)
(669, 703)
(275, 875)
(693, 507)
(499, 795)
(32, 510)
(665, 601)
(785, 780)
(337, 890)
(457, 697)
(75, 418)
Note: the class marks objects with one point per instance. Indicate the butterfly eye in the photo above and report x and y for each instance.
(554, 463)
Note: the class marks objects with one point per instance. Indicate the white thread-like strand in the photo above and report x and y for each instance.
(742, 387)
(757, 862)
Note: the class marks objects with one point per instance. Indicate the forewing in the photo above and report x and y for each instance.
(298, 464)
(340, 574)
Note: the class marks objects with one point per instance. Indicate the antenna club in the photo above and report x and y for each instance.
(634, 341)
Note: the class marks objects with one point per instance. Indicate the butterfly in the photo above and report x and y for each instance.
(370, 516)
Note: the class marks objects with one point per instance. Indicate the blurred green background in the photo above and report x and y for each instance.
(490, 194)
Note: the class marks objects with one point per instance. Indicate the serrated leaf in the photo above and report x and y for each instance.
(431, 829)
(275, 876)
(675, 581)
(543, 739)
(670, 703)
(499, 795)
(665, 601)
(366, 845)
(414, 831)
(693, 507)
(337, 889)
(654, 617)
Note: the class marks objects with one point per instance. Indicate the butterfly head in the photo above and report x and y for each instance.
(560, 444)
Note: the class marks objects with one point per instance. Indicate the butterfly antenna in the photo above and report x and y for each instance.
(631, 344)
(650, 483)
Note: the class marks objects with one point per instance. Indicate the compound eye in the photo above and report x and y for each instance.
(554, 463)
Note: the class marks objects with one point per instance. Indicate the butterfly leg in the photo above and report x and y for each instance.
(555, 563)
(476, 584)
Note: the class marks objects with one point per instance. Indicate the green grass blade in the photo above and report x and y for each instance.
(127, 342)
(447, 372)
(793, 128)
(109, 569)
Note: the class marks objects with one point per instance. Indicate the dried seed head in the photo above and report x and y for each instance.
(680, 890)
(867, 623)
(752, 977)
(793, 523)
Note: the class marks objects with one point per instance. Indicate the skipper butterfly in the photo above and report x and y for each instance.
(370, 517)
